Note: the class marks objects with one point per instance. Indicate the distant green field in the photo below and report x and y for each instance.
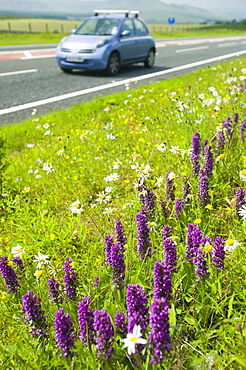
(29, 30)
(38, 25)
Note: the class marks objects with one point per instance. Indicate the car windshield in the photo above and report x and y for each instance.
(100, 26)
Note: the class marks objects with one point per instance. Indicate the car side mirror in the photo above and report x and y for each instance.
(125, 33)
(73, 30)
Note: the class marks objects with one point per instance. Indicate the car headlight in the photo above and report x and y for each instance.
(101, 43)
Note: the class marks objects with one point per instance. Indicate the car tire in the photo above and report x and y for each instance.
(113, 64)
(150, 60)
(66, 70)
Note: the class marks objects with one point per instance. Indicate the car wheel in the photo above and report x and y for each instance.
(66, 70)
(150, 60)
(113, 64)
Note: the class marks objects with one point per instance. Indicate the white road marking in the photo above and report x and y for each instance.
(27, 54)
(18, 72)
(38, 57)
(25, 51)
(198, 41)
(191, 49)
(35, 104)
(227, 44)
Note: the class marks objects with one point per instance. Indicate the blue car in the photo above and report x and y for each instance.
(107, 41)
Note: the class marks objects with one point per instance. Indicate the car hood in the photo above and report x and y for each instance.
(83, 41)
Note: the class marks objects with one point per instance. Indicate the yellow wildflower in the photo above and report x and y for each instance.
(197, 221)
(52, 237)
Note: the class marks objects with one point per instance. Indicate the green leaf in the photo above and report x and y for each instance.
(172, 316)
(230, 306)
(191, 320)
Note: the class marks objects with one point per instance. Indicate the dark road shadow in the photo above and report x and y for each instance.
(128, 71)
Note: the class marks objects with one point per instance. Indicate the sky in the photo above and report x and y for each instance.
(212, 4)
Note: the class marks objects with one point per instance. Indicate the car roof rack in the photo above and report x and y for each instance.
(126, 12)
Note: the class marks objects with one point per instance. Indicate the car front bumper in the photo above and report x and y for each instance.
(86, 64)
(93, 61)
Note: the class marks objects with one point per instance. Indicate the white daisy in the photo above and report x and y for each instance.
(186, 151)
(112, 177)
(231, 245)
(60, 152)
(103, 197)
(132, 339)
(152, 225)
(108, 189)
(126, 205)
(139, 183)
(159, 181)
(17, 251)
(242, 212)
(144, 170)
(242, 175)
(48, 167)
(171, 176)
(136, 156)
(42, 259)
(116, 164)
(111, 136)
(108, 211)
(201, 96)
(76, 207)
(161, 147)
(174, 149)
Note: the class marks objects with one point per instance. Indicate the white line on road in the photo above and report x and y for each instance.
(227, 44)
(38, 57)
(23, 51)
(18, 72)
(191, 49)
(118, 83)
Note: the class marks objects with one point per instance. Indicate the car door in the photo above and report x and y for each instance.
(128, 43)
(143, 39)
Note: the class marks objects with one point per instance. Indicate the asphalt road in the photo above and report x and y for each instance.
(30, 77)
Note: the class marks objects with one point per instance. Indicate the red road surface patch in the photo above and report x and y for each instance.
(29, 54)
(37, 53)
(7, 55)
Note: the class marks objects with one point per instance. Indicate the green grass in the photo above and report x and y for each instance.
(29, 39)
(19, 31)
(123, 134)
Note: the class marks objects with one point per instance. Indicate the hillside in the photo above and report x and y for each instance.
(154, 11)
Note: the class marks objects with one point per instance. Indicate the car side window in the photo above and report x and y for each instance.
(141, 28)
(128, 25)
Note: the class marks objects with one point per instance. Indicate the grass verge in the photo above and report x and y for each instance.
(128, 210)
